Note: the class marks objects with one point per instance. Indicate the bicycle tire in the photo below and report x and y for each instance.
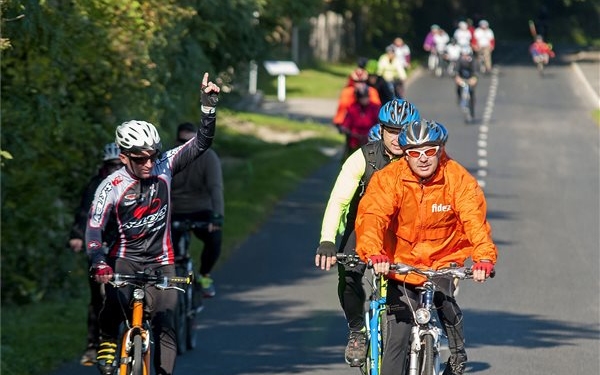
(191, 333)
(465, 103)
(384, 334)
(471, 104)
(426, 356)
(365, 369)
(181, 324)
(137, 366)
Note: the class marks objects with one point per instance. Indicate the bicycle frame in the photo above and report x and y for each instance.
(135, 353)
(135, 327)
(377, 308)
(466, 97)
(426, 334)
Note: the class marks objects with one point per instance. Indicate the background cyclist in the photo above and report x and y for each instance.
(426, 211)
(341, 208)
(137, 197)
(110, 163)
(347, 97)
(360, 117)
(485, 43)
(466, 72)
(540, 51)
(197, 196)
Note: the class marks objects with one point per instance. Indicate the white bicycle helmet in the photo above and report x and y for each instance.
(111, 151)
(137, 136)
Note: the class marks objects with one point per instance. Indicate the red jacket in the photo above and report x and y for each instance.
(347, 97)
(358, 121)
(541, 48)
(427, 226)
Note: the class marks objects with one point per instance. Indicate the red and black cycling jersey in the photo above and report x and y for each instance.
(141, 207)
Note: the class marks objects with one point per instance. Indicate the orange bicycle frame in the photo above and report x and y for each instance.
(137, 319)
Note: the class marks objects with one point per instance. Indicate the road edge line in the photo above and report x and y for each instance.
(586, 83)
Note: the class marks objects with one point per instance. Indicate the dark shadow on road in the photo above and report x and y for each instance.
(530, 331)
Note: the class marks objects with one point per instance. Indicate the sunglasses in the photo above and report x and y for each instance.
(141, 160)
(428, 152)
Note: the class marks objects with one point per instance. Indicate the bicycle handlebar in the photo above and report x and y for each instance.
(184, 225)
(402, 269)
(159, 281)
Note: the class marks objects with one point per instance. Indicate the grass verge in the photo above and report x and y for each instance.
(263, 158)
(326, 81)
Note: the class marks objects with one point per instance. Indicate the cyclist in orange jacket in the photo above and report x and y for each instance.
(426, 211)
(347, 96)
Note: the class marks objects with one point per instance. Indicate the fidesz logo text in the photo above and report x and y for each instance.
(440, 207)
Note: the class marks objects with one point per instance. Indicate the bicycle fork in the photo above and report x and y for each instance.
(136, 328)
(425, 325)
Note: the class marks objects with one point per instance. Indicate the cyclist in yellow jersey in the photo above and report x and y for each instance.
(341, 212)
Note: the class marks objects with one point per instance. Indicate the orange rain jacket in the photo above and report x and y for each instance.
(427, 226)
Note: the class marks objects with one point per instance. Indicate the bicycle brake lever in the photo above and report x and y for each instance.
(401, 268)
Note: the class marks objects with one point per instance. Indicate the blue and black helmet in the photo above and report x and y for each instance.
(375, 133)
(423, 132)
(397, 113)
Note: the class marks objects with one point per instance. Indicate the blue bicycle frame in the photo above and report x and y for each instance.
(377, 308)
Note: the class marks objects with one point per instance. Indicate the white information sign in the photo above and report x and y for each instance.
(281, 69)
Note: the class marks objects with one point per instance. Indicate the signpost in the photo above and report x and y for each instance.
(281, 69)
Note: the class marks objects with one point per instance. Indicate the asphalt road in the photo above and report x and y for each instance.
(535, 149)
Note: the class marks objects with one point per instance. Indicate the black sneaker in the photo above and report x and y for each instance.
(106, 356)
(455, 366)
(356, 350)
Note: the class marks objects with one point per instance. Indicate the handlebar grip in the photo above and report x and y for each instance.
(180, 279)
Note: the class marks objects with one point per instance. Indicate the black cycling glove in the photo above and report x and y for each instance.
(327, 248)
(209, 99)
(216, 219)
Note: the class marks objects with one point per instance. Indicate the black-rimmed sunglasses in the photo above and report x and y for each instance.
(141, 160)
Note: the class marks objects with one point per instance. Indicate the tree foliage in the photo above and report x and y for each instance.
(73, 70)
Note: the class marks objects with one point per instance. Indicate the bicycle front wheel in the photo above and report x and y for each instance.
(137, 366)
(427, 357)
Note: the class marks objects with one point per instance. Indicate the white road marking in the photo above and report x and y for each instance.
(482, 161)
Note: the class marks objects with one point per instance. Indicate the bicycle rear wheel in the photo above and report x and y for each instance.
(191, 333)
(471, 104)
(181, 324)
